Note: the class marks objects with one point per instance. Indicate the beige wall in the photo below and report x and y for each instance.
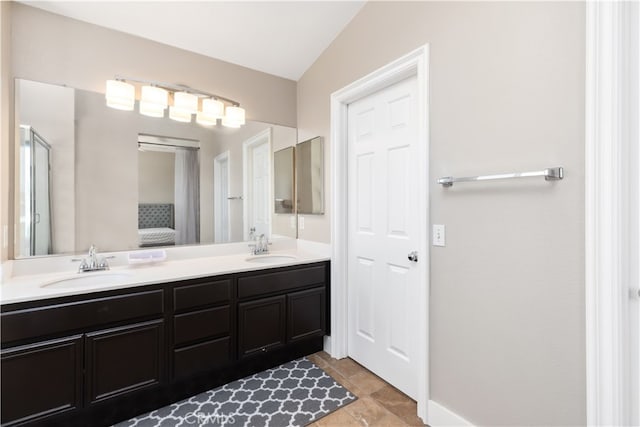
(6, 133)
(55, 49)
(156, 176)
(106, 175)
(507, 94)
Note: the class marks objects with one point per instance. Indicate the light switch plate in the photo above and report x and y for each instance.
(300, 222)
(292, 221)
(438, 235)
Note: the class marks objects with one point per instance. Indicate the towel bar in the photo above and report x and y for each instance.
(549, 174)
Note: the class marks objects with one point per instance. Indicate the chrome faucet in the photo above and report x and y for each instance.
(92, 262)
(261, 245)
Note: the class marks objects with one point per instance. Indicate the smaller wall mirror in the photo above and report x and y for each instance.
(283, 166)
(310, 176)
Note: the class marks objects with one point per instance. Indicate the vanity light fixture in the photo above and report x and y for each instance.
(120, 95)
(184, 105)
(212, 110)
(154, 99)
(234, 117)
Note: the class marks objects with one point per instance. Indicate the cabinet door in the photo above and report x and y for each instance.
(306, 314)
(124, 360)
(41, 380)
(261, 325)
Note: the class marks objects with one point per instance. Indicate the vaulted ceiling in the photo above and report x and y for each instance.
(280, 38)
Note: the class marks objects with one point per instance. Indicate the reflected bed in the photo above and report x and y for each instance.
(156, 224)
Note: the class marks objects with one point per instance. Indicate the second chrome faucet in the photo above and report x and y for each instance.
(260, 245)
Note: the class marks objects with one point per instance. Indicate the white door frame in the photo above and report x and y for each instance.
(263, 137)
(415, 63)
(216, 191)
(611, 211)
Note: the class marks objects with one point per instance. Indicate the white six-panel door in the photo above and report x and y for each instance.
(222, 229)
(384, 229)
(257, 199)
(260, 185)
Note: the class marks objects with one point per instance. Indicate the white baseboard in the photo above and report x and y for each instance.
(441, 416)
(327, 344)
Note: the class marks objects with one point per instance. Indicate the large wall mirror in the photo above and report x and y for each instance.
(88, 174)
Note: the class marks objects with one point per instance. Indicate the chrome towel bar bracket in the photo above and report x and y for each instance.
(550, 174)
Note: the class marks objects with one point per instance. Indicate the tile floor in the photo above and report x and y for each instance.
(378, 404)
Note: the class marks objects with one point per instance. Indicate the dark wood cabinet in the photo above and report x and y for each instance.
(268, 323)
(41, 380)
(116, 348)
(103, 357)
(261, 325)
(124, 360)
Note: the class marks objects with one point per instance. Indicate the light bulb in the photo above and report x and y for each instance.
(120, 95)
(185, 101)
(234, 117)
(212, 110)
(153, 101)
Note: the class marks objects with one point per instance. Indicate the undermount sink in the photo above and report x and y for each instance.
(88, 280)
(270, 259)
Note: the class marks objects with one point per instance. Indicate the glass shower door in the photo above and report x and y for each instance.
(35, 194)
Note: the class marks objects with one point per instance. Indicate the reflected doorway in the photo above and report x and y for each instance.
(257, 185)
(221, 180)
(168, 191)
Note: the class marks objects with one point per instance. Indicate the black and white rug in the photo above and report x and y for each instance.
(294, 394)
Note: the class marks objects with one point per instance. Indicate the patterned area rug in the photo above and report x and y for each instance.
(294, 394)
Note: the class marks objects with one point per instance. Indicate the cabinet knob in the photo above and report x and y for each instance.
(263, 349)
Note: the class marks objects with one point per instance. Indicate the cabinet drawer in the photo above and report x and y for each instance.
(48, 320)
(200, 358)
(261, 284)
(201, 294)
(41, 380)
(201, 324)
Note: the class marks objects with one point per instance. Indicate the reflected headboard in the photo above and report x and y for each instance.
(155, 215)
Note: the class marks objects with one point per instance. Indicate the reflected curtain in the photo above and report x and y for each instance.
(187, 196)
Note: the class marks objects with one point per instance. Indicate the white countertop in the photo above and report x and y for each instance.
(21, 287)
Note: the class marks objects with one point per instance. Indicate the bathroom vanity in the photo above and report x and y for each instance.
(102, 357)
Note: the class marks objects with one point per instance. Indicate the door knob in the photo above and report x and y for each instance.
(413, 256)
